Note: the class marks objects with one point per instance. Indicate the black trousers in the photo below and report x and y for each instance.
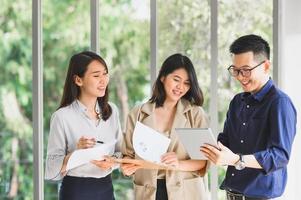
(161, 193)
(82, 188)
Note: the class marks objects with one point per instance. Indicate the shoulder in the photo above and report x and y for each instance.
(142, 109)
(146, 107)
(238, 97)
(276, 93)
(188, 106)
(135, 110)
(115, 112)
(280, 98)
(63, 112)
(197, 108)
(236, 100)
(113, 107)
(199, 112)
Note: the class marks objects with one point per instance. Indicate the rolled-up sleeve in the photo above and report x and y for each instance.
(283, 130)
(56, 150)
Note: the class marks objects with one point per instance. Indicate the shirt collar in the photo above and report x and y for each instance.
(261, 93)
(83, 108)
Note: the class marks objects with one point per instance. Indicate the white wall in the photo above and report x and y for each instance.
(290, 82)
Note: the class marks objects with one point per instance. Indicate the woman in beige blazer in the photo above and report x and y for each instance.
(175, 103)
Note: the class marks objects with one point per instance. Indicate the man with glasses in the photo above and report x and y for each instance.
(259, 129)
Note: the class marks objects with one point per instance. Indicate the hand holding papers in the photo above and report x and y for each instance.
(83, 156)
(194, 138)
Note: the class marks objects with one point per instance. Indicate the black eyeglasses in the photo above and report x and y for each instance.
(245, 70)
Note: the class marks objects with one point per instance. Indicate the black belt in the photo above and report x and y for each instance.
(237, 196)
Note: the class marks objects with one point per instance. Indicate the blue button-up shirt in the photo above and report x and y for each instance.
(262, 124)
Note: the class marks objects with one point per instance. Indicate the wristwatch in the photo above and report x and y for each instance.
(240, 164)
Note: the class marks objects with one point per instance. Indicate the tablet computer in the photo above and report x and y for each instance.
(193, 138)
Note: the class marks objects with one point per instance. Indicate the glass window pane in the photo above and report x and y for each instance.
(184, 27)
(16, 157)
(66, 30)
(124, 44)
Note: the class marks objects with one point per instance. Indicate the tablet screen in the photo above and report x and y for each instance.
(193, 138)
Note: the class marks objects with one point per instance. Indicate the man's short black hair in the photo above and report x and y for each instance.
(253, 43)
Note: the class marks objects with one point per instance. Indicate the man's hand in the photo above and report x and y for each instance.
(222, 156)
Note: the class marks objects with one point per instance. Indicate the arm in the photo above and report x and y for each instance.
(282, 132)
(225, 156)
(127, 148)
(223, 136)
(276, 155)
(171, 159)
(56, 150)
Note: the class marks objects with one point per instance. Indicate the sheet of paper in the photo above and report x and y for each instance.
(83, 156)
(148, 143)
(194, 138)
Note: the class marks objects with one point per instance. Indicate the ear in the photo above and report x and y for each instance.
(162, 79)
(267, 66)
(77, 80)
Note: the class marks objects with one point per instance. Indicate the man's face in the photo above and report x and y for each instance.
(258, 76)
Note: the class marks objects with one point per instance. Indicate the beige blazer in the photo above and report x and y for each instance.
(180, 185)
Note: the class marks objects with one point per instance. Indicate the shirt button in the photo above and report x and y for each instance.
(248, 106)
(241, 141)
(244, 123)
(232, 174)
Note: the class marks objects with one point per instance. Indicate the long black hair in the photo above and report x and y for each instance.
(78, 66)
(172, 63)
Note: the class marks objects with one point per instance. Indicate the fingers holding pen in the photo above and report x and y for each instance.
(86, 142)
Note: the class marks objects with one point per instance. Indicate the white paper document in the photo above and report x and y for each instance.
(83, 156)
(148, 143)
(194, 138)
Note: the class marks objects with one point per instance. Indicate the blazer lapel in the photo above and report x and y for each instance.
(147, 112)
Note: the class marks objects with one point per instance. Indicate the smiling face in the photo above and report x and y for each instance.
(176, 84)
(259, 76)
(95, 80)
